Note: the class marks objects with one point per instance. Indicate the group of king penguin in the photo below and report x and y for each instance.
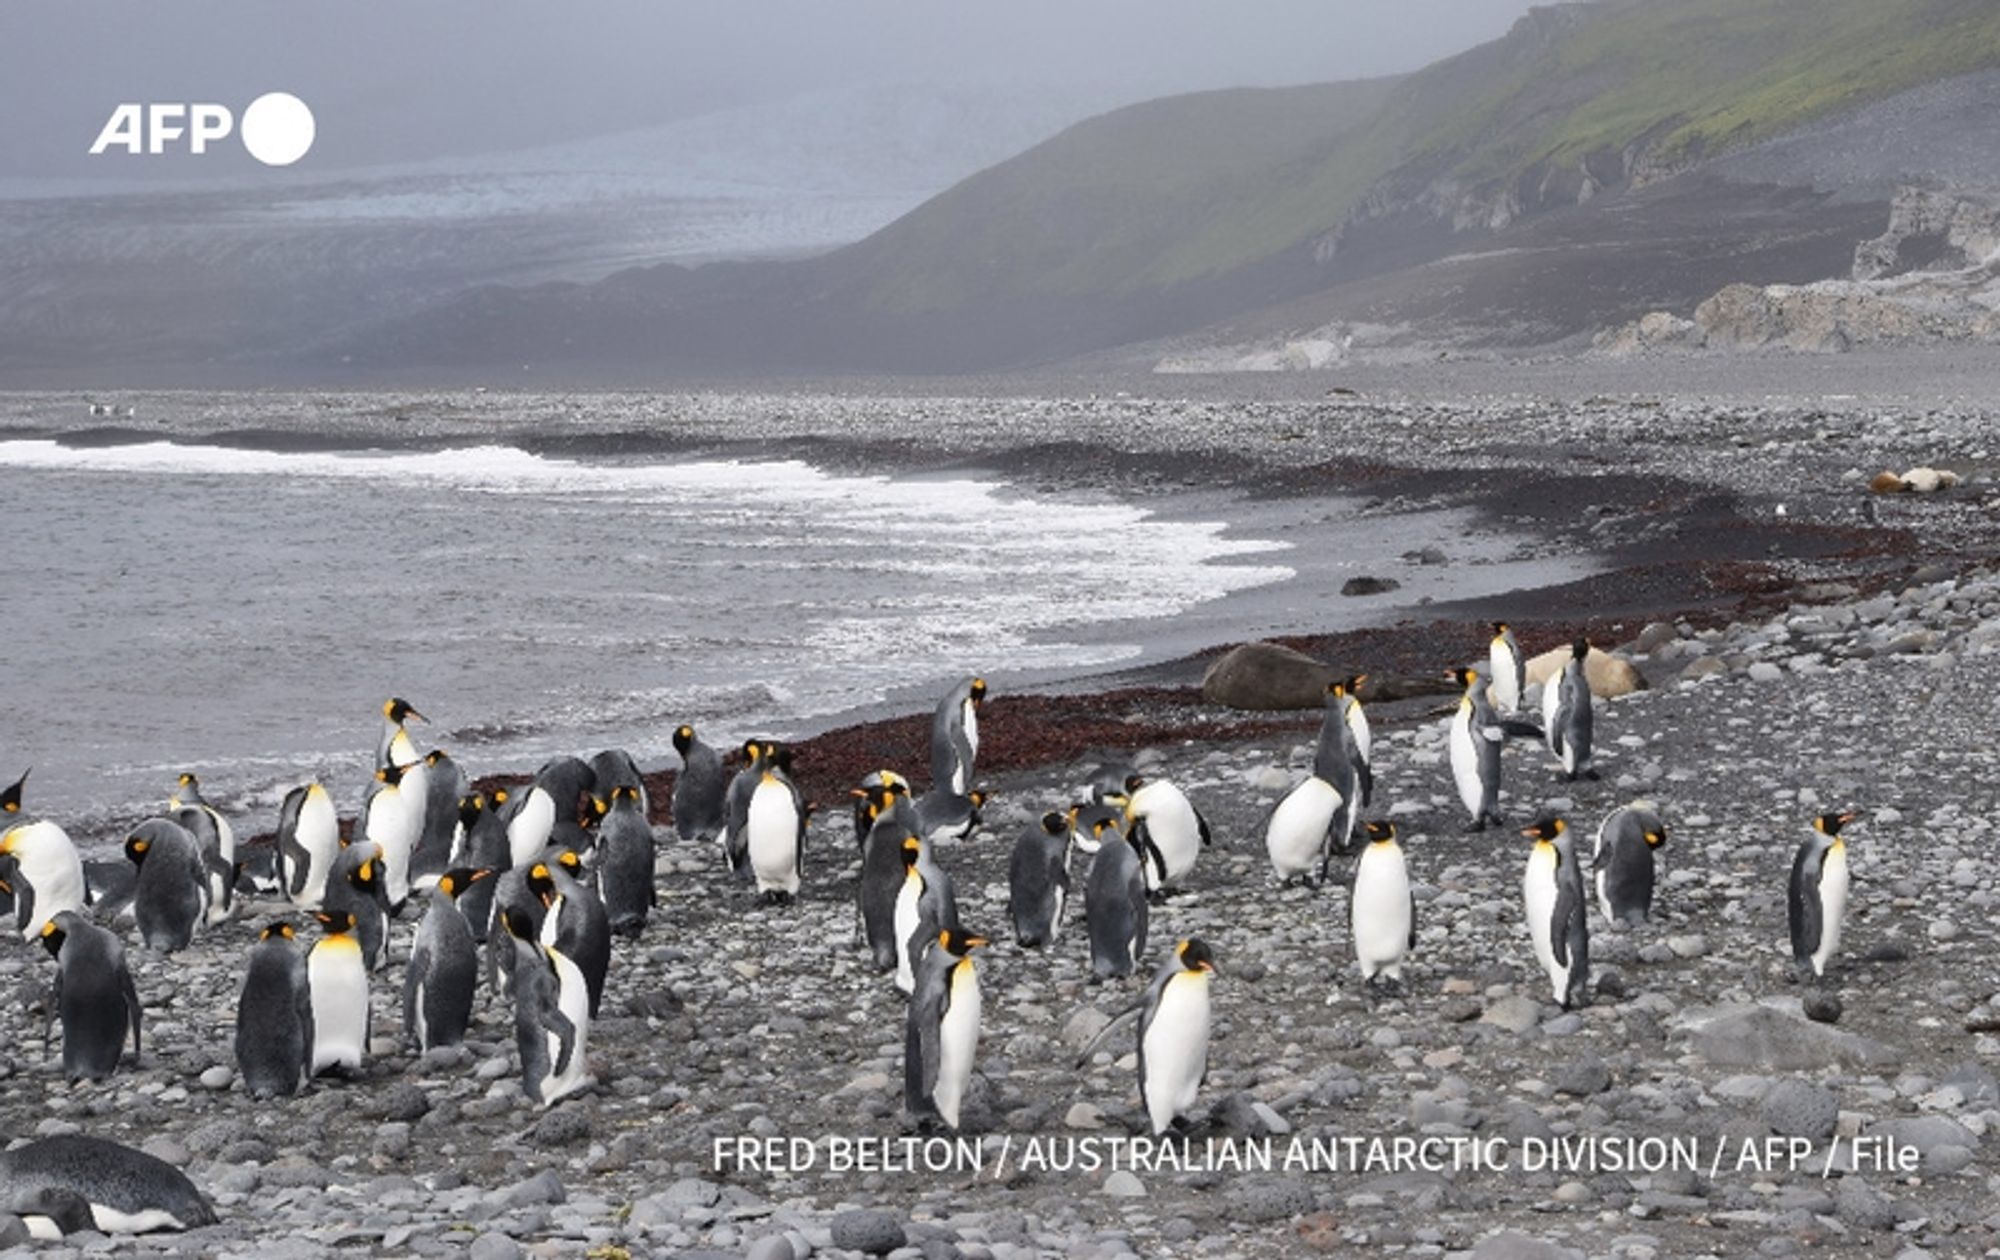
(543, 876)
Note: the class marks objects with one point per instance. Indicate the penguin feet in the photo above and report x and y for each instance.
(1474, 827)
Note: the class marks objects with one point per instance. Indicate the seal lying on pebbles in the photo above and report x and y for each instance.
(128, 1191)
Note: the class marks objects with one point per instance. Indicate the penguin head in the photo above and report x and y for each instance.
(571, 863)
(1656, 836)
(625, 792)
(336, 922)
(469, 810)
(1056, 824)
(978, 691)
(1546, 830)
(399, 710)
(279, 930)
(753, 751)
(136, 848)
(1499, 629)
(499, 797)
(455, 881)
(779, 755)
(10, 798)
(978, 797)
(366, 874)
(542, 883)
(599, 806)
(1580, 648)
(434, 756)
(1381, 831)
(1466, 678)
(391, 774)
(1830, 824)
(1350, 686)
(1194, 955)
(683, 740)
(53, 936)
(188, 781)
(958, 942)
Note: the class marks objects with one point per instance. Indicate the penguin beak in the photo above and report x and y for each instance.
(974, 942)
(1209, 967)
(1848, 817)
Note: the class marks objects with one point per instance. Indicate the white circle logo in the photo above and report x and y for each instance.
(277, 128)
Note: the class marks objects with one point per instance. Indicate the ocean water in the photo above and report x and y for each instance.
(244, 613)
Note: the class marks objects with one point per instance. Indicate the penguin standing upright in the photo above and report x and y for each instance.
(1510, 670)
(1169, 830)
(443, 973)
(774, 833)
(551, 1016)
(885, 867)
(625, 861)
(574, 920)
(698, 788)
(1474, 735)
(1383, 911)
(48, 874)
(1115, 908)
(869, 803)
(925, 906)
(444, 785)
(955, 737)
(483, 846)
(170, 897)
(274, 1017)
(1038, 879)
(612, 769)
(941, 1029)
(217, 840)
(1566, 714)
(94, 996)
(1817, 896)
(394, 747)
(530, 815)
(1173, 1035)
(1558, 917)
(1340, 759)
(338, 978)
(356, 891)
(308, 844)
(390, 821)
(1301, 829)
(569, 782)
(1623, 860)
(757, 758)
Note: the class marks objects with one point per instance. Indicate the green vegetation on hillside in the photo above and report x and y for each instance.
(1195, 189)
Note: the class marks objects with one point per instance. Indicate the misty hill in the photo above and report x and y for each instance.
(1584, 168)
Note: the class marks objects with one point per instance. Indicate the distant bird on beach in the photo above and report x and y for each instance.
(1038, 879)
(1475, 734)
(274, 1017)
(308, 843)
(941, 1034)
(1566, 713)
(1509, 669)
(93, 997)
(1382, 911)
(1623, 860)
(698, 788)
(551, 1016)
(338, 977)
(1552, 898)
(1817, 895)
(1341, 758)
(1169, 830)
(625, 857)
(1300, 830)
(47, 874)
(955, 737)
(394, 748)
(443, 973)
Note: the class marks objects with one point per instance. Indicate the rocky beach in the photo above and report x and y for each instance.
(1807, 646)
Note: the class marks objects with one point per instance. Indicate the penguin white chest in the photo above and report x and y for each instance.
(907, 899)
(573, 1000)
(49, 862)
(1538, 902)
(1832, 905)
(1298, 829)
(1381, 910)
(1506, 688)
(528, 832)
(1176, 1048)
(1465, 761)
(391, 825)
(1176, 832)
(1357, 726)
(773, 832)
(958, 1041)
(339, 983)
(319, 835)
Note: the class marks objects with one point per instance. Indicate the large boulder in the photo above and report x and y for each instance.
(1266, 676)
(1610, 676)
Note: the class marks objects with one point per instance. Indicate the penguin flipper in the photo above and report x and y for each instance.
(1201, 824)
(132, 1008)
(1366, 774)
(413, 985)
(1520, 728)
(1805, 908)
(1568, 906)
(1412, 943)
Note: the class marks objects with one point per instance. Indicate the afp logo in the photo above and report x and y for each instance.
(277, 129)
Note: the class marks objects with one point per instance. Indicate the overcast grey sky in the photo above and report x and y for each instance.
(394, 80)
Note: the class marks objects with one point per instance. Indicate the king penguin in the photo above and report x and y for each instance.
(551, 1016)
(1168, 829)
(1383, 911)
(1038, 879)
(170, 897)
(1623, 860)
(389, 819)
(1510, 671)
(612, 769)
(625, 860)
(48, 874)
(1474, 737)
(569, 782)
(1300, 829)
(1115, 908)
(698, 789)
(925, 906)
(274, 1017)
(574, 920)
(443, 973)
(217, 840)
(530, 815)
(884, 868)
(1173, 1035)
(1566, 715)
(444, 785)
(356, 891)
(1817, 897)
(94, 996)
(483, 845)
(127, 1190)
(1340, 758)
(308, 843)
(394, 747)
(774, 832)
(868, 805)
(1553, 900)
(941, 1030)
(955, 737)
(759, 755)
(338, 979)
